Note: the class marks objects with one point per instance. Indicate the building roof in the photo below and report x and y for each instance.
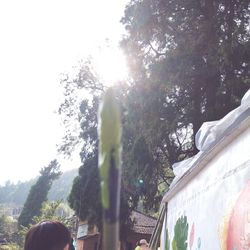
(143, 223)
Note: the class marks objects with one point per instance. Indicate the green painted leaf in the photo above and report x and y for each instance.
(180, 234)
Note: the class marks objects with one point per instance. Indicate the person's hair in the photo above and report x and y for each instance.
(49, 235)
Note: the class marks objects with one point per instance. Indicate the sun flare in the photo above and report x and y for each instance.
(111, 66)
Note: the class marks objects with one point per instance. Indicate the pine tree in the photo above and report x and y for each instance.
(38, 193)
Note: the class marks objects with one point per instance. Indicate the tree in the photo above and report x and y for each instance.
(8, 227)
(189, 63)
(38, 193)
(136, 163)
(55, 210)
(85, 194)
(192, 59)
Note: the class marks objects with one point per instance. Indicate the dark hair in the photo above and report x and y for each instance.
(49, 235)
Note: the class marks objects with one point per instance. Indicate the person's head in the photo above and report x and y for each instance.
(138, 243)
(49, 235)
(143, 242)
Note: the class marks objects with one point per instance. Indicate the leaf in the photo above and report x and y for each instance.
(180, 234)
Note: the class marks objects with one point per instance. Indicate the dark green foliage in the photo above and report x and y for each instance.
(38, 193)
(190, 63)
(180, 234)
(85, 194)
(139, 160)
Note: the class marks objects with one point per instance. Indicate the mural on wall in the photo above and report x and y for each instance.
(234, 230)
(181, 241)
(236, 233)
(192, 244)
(191, 237)
(180, 234)
(167, 242)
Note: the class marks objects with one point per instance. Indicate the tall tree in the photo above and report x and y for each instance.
(139, 163)
(38, 193)
(79, 112)
(192, 59)
(189, 63)
(85, 194)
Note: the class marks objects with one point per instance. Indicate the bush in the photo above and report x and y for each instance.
(10, 247)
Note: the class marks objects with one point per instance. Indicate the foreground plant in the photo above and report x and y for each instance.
(109, 132)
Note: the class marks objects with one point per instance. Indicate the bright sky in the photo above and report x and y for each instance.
(39, 40)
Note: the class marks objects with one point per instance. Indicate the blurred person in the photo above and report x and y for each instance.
(138, 246)
(48, 235)
(143, 244)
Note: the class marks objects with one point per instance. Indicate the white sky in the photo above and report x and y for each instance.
(39, 40)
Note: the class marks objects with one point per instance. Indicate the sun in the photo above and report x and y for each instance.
(110, 64)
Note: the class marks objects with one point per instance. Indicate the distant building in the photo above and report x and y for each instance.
(88, 237)
(142, 229)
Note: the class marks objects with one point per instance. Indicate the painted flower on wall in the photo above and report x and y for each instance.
(238, 234)
(191, 237)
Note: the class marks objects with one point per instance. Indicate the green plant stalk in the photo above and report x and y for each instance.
(109, 160)
(111, 237)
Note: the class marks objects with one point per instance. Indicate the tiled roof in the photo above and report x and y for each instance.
(143, 223)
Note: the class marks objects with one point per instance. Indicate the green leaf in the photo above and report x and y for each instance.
(180, 234)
